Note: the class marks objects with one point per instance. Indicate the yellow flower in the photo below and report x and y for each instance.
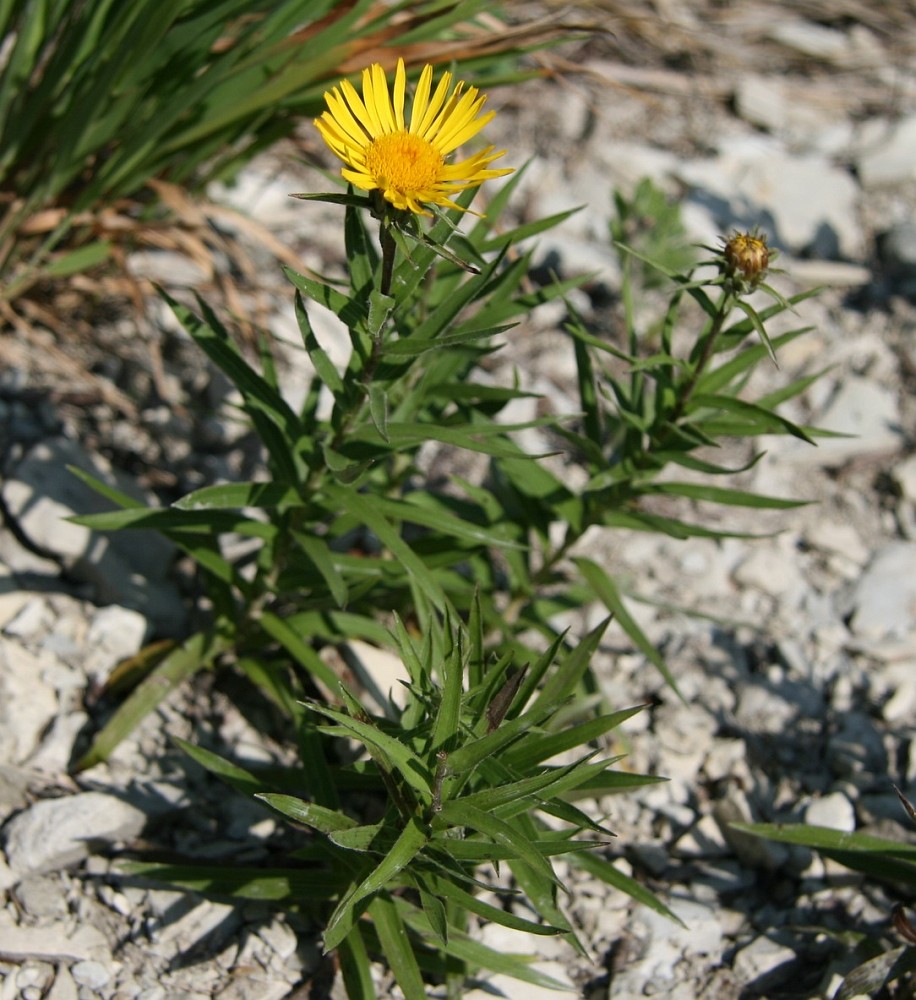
(407, 164)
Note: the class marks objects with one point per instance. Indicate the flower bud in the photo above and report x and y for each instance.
(745, 260)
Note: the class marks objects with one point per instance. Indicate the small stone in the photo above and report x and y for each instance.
(884, 600)
(772, 569)
(114, 634)
(762, 960)
(63, 988)
(91, 974)
(865, 411)
(55, 833)
(167, 267)
(41, 896)
(834, 811)
(27, 705)
(280, 937)
(888, 154)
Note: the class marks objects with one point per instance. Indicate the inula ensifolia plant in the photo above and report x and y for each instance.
(426, 813)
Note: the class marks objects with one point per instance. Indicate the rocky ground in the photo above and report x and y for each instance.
(797, 655)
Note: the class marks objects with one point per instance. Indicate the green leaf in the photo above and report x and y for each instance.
(714, 494)
(458, 813)
(378, 409)
(116, 496)
(606, 591)
(305, 886)
(355, 967)
(366, 512)
(449, 890)
(293, 641)
(876, 856)
(468, 756)
(324, 366)
(357, 838)
(352, 312)
(408, 764)
(310, 814)
(396, 947)
(870, 978)
(533, 751)
(411, 840)
(380, 308)
(762, 419)
(240, 779)
(570, 671)
(608, 873)
(200, 652)
(236, 496)
(82, 259)
(318, 552)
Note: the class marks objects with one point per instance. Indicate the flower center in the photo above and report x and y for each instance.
(403, 161)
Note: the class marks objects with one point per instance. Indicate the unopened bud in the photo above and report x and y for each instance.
(745, 260)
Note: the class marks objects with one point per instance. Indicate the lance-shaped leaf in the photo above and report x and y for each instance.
(411, 841)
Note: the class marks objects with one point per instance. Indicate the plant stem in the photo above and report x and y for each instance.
(723, 308)
(388, 250)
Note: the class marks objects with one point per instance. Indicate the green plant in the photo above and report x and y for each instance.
(462, 580)
(889, 861)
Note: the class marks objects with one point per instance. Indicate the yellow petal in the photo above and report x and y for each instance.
(400, 87)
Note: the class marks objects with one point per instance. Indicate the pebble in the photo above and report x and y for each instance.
(56, 833)
(867, 413)
(884, 599)
(834, 811)
(27, 705)
(756, 963)
(887, 153)
(91, 974)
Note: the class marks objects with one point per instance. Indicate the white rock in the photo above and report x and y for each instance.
(54, 833)
(63, 987)
(867, 412)
(54, 943)
(901, 706)
(27, 704)
(772, 568)
(888, 157)
(33, 618)
(762, 957)
(115, 633)
(834, 811)
(810, 39)
(884, 600)
(90, 973)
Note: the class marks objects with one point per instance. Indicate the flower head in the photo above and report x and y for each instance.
(407, 162)
(745, 260)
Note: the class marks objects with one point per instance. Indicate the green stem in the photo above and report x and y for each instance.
(388, 251)
(706, 349)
